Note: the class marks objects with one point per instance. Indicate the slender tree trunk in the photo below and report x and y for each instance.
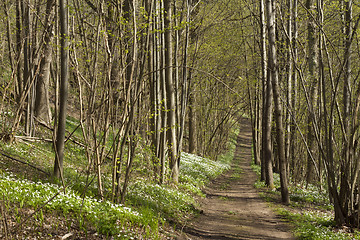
(185, 87)
(257, 125)
(192, 125)
(19, 81)
(170, 95)
(346, 163)
(328, 123)
(154, 92)
(60, 138)
(273, 71)
(8, 36)
(289, 80)
(267, 169)
(294, 88)
(162, 96)
(312, 66)
(42, 108)
(27, 73)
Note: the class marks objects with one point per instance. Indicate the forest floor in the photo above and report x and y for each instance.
(233, 208)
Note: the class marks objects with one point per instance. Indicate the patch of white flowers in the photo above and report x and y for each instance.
(198, 170)
(311, 193)
(37, 193)
(161, 197)
(194, 172)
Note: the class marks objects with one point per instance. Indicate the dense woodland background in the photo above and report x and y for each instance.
(149, 79)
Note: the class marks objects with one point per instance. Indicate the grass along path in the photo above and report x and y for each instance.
(233, 208)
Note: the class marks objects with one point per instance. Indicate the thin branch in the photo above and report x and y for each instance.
(7, 155)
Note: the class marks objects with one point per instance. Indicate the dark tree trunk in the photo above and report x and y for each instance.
(60, 137)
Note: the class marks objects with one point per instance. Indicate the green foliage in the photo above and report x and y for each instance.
(316, 225)
(200, 168)
(309, 222)
(104, 215)
(260, 184)
(174, 203)
(229, 155)
(311, 212)
(198, 171)
(311, 194)
(168, 201)
(153, 203)
(256, 169)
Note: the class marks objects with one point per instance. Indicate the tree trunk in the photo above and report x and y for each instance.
(27, 73)
(289, 81)
(19, 81)
(60, 138)
(312, 66)
(273, 71)
(170, 95)
(162, 96)
(42, 108)
(192, 125)
(347, 162)
(267, 169)
(294, 90)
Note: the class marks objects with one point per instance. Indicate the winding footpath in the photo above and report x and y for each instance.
(233, 208)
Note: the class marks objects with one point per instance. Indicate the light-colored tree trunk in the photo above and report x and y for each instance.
(273, 71)
(289, 75)
(27, 72)
(294, 93)
(42, 104)
(170, 95)
(266, 160)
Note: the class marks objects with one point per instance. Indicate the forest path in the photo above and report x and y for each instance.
(233, 208)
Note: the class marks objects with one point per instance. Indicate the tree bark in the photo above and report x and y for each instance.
(267, 165)
(63, 93)
(42, 105)
(19, 81)
(346, 163)
(27, 73)
(170, 95)
(192, 125)
(313, 89)
(273, 71)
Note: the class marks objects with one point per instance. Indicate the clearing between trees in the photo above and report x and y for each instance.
(233, 208)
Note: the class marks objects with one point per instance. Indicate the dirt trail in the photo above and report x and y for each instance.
(233, 208)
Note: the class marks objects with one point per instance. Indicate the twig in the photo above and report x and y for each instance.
(69, 137)
(5, 154)
(37, 210)
(32, 139)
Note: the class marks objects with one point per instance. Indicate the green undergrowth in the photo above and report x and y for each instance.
(310, 212)
(197, 171)
(106, 217)
(316, 224)
(149, 210)
(177, 204)
(148, 207)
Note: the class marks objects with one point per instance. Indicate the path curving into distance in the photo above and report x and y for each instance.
(233, 208)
